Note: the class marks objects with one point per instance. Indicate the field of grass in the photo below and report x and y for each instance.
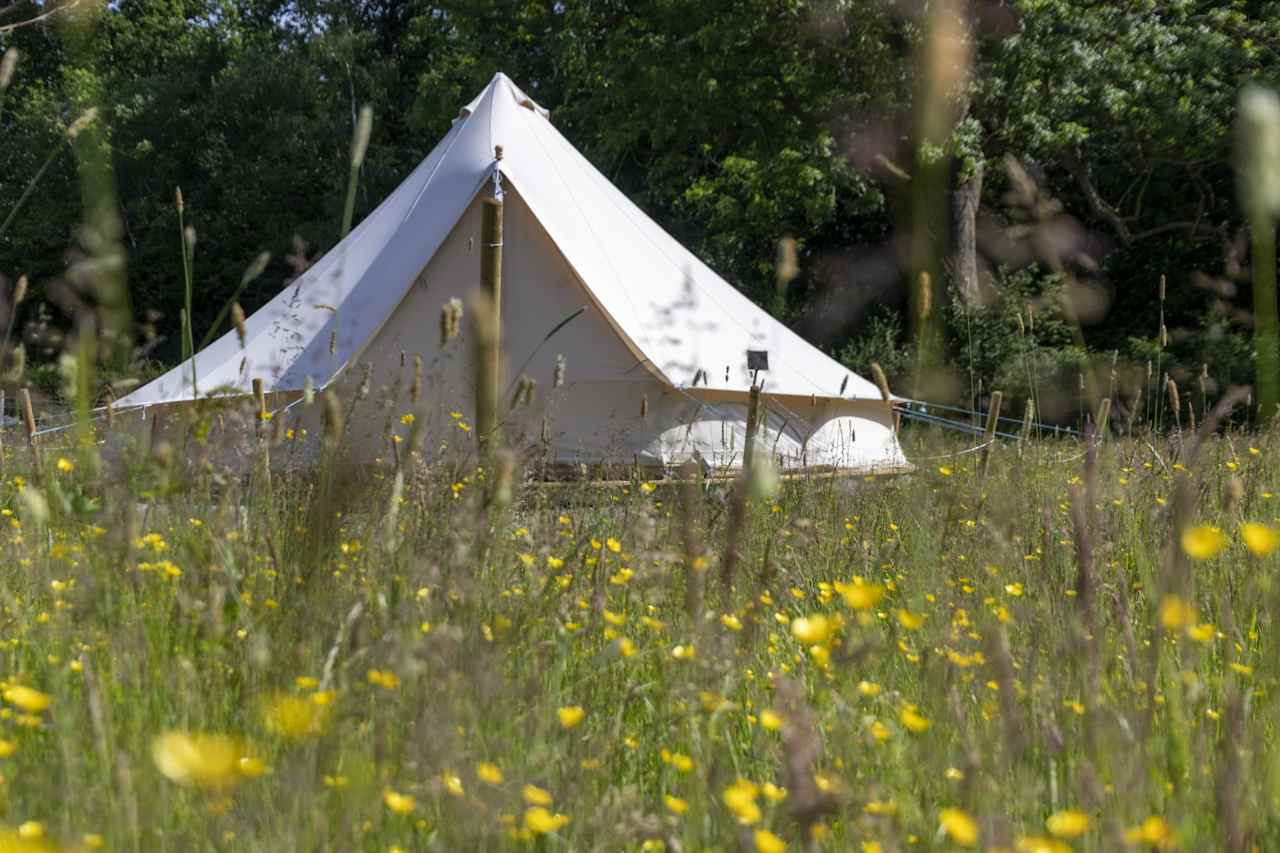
(1073, 651)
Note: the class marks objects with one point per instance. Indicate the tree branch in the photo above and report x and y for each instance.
(1100, 208)
(64, 7)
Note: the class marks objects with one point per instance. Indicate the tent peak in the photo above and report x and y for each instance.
(500, 85)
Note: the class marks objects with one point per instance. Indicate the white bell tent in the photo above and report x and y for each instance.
(655, 356)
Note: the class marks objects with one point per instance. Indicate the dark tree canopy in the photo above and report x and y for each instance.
(1102, 129)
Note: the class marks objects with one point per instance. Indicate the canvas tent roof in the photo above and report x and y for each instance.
(681, 321)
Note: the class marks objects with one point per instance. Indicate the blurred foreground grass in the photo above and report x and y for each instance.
(1079, 652)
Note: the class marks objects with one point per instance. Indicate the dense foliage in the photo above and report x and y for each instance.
(1099, 136)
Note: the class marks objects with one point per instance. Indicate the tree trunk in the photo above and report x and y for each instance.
(964, 229)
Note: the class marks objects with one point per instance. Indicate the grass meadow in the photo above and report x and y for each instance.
(1062, 647)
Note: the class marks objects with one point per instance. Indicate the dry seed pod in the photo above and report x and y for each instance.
(360, 142)
(1234, 495)
(333, 419)
(882, 381)
(20, 291)
(788, 268)
(524, 391)
(7, 65)
(1175, 400)
(80, 124)
(450, 320)
(237, 320)
(177, 199)
(415, 390)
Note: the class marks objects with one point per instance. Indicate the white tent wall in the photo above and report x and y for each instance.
(597, 415)
(658, 324)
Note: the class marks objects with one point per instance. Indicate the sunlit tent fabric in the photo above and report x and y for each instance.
(656, 365)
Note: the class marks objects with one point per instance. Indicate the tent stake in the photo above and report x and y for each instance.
(989, 435)
(29, 415)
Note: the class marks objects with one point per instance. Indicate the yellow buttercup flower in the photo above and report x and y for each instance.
(571, 716)
(860, 595)
(912, 721)
(541, 821)
(488, 772)
(535, 796)
(1175, 614)
(959, 826)
(1154, 831)
(675, 805)
(811, 629)
(1260, 539)
(771, 719)
(398, 803)
(1068, 823)
(294, 717)
(767, 842)
(910, 621)
(28, 699)
(452, 783)
(204, 761)
(740, 797)
(1203, 541)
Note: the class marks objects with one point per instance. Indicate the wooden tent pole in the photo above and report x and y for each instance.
(753, 416)
(491, 233)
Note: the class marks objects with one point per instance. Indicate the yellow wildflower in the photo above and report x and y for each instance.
(812, 629)
(1203, 541)
(1260, 539)
(860, 595)
(1068, 823)
(740, 797)
(540, 821)
(771, 719)
(294, 717)
(1175, 614)
(959, 826)
(1154, 831)
(397, 802)
(767, 842)
(910, 621)
(912, 721)
(205, 761)
(535, 796)
(571, 716)
(30, 700)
